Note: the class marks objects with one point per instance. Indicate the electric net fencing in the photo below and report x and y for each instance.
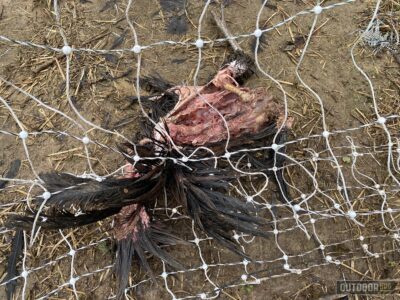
(70, 94)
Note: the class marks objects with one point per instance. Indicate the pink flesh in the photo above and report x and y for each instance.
(127, 220)
(194, 122)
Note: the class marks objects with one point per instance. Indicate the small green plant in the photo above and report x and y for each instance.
(346, 159)
(392, 264)
(248, 289)
(103, 247)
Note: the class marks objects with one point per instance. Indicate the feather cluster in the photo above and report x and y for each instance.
(186, 118)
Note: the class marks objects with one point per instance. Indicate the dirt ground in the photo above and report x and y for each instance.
(102, 87)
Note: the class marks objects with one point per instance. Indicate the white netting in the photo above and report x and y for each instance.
(65, 88)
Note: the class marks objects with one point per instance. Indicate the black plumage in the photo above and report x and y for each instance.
(12, 172)
(145, 238)
(85, 195)
(17, 245)
(198, 186)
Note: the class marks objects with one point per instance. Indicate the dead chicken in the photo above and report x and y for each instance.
(172, 165)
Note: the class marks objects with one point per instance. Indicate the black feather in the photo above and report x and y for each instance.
(60, 220)
(70, 192)
(11, 173)
(136, 245)
(212, 210)
(123, 262)
(155, 84)
(17, 246)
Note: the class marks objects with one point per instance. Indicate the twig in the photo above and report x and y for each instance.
(222, 26)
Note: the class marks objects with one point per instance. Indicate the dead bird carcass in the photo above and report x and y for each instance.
(190, 150)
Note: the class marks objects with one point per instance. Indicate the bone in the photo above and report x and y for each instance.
(246, 97)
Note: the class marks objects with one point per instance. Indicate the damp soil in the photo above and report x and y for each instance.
(103, 89)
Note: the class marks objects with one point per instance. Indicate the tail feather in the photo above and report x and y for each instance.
(227, 241)
(214, 212)
(148, 243)
(150, 240)
(17, 246)
(123, 262)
